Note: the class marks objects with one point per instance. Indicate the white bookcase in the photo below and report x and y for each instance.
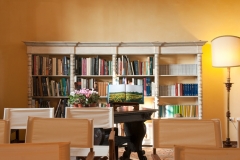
(180, 69)
(173, 63)
(184, 59)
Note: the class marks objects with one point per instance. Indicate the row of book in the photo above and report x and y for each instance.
(135, 67)
(179, 89)
(45, 86)
(101, 87)
(59, 109)
(178, 69)
(170, 111)
(45, 65)
(92, 66)
(41, 103)
(92, 83)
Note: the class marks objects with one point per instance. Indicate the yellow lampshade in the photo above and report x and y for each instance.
(226, 51)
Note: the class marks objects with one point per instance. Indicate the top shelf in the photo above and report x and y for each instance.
(127, 48)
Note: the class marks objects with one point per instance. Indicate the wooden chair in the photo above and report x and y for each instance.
(102, 118)
(77, 131)
(238, 133)
(205, 153)
(187, 132)
(18, 117)
(36, 151)
(4, 131)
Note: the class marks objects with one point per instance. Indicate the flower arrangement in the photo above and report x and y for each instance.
(84, 97)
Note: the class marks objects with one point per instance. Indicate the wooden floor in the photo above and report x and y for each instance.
(166, 154)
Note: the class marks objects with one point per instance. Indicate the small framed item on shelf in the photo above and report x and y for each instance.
(125, 93)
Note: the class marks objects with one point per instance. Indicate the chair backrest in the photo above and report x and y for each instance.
(111, 142)
(36, 151)
(102, 117)
(238, 133)
(187, 132)
(206, 153)
(4, 131)
(18, 116)
(77, 131)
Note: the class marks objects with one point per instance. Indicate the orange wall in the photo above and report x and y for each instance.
(117, 20)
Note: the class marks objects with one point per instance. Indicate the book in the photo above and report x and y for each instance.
(44, 86)
(129, 67)
(40, 87)
(96, 71)
(58, 110)
(125, 93)
(65, 65)
(53, 87)
(49, 66)
(54, 66)
(48, 86)
(34, 86)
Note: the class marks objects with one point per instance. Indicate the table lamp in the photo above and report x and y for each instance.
(226, 54)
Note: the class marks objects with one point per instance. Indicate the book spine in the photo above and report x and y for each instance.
(48, 86)
(64, 66)
(44, 66)
(44, 86)
(151, 65)
(76, 65)
(40, 65)
(40, 87)
(136, 67)
(97, 66)
(34, 86)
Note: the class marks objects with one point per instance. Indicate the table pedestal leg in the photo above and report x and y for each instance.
(135, 131)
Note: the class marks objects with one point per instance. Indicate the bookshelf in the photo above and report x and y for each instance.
(50, 77)
(180, 80)
(162, 63)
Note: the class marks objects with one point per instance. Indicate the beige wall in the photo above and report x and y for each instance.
(118, 20)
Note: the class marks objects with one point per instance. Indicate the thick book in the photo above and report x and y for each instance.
(40, 86)
(65, 65)
(44, 86)
(125, 93)
(58, 110)
(34, 86)
(54, 66)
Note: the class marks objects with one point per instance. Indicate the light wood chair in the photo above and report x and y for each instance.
(77, 131)
(238, 133)
(36, 151)
(102, 118)
(187, 132)
(18, 117)
(4, 131)
(205, 153)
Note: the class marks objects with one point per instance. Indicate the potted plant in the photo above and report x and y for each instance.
(77, 98)
(84, 97)
(93, 98)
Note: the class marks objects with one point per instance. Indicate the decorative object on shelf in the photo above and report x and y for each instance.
(125, 93)
(78, 105)
(92, 105)
(77, 97)
(226, 54)
(84, 98)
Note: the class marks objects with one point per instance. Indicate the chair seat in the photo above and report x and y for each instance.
(100, 151)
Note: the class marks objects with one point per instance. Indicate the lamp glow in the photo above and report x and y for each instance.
(226, 51)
